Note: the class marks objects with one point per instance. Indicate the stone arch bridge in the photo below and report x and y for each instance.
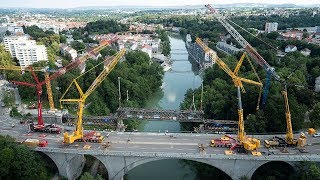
(70, 162)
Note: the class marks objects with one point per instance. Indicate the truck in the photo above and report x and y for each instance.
(35, 142)
(223, 141)
(48, 128)
(93, 137)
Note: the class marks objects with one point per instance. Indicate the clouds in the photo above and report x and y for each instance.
(79, 3)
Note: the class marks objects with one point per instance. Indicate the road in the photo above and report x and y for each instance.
(140, 142)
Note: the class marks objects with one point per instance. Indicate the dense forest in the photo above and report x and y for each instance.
(219, 99)
(97, 27)
(19, 162)
(137, 75)
(140, 78)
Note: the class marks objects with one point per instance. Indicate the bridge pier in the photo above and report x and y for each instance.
(120, 126)
(69, 165)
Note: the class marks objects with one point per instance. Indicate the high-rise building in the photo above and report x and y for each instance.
(11, 43)
(270, 27)
(30, 54)
(26, 51)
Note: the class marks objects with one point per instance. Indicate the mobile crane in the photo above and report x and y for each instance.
(242, 142)
(289, 139)
(40, 126)
(78, 134)
(249, 49)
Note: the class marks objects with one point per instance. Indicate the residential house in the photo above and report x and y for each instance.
(147, 49)
(305, 51)
(293, 34)
(290, 48)
(93, 55)
(67, 50)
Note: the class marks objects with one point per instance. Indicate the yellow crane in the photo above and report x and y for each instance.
(60, 71)
(36, 69)
(289, 139)
(78, 133)
(249, 144)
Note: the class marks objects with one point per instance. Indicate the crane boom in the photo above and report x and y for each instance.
(237, 82)
(249, 49)
(289, 133)
(78, 133)
(38, 85)
(77, 62)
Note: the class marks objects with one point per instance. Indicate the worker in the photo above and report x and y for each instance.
(12, 125)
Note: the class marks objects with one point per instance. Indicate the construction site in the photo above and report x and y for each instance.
(52, 132)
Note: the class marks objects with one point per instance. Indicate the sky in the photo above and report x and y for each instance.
(81, 3)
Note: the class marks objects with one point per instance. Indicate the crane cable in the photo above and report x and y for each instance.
(272, 47)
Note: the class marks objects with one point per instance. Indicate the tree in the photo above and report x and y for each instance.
(315, 115)
(17, 161)
(88, 176)
(8, 33)
(63, 39)
(78, 46)
(8, 99)
(273, 35)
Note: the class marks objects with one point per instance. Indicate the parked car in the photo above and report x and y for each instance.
(316, 135)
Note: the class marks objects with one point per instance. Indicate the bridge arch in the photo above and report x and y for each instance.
(69, 165)
(196, 163)
(50, 164)
(94, 166)
(117, 166)
(278, 169)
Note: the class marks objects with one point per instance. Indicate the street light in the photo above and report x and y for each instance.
(119, 92)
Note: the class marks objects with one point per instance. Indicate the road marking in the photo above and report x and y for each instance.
(146, 148)
(155, 143)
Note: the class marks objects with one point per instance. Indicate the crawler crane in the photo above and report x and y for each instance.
(249, 49)
(78, 134)
(40, 126)
(242, 142)
(289, 139)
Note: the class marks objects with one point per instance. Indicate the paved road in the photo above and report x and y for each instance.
(140, 142)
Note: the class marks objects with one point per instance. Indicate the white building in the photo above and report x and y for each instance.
(305, 52)
(26, 51)
(147, 49)
(27, 55)
(270, 27)
(15, 29)
(66, 50)
(290, 48)
(11, 43)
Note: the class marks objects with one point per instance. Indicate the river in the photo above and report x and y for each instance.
(175, 84)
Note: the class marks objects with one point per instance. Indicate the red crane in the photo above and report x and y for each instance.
(38, 85)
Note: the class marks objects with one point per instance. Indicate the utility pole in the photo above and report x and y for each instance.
(127, 95)
(119, 92)
(201, 96)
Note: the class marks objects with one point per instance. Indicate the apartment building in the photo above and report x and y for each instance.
(27, 55)
(26, 51)
(270, 27)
